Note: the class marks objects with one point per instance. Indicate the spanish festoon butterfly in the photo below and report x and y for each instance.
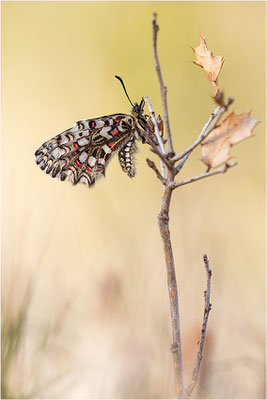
(82, 152)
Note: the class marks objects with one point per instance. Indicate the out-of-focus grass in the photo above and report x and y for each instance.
(14, 319)
(113, 325)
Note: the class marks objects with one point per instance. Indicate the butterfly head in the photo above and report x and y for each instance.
(138, 109)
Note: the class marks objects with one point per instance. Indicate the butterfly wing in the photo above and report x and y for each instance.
(81, 153)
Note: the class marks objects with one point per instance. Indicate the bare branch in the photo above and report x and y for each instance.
(157, 133)
(221, 170)
(207, 309)
(161, 151)
(163, 88)
(152, 165)
(156, 128)
(203, 134)
(164, 157)
(163, 221)
(169, 159)
(178, 168)
(208, 127)
(162, 167)
(155, 150)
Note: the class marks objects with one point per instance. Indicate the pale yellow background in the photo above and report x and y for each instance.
(84, 283)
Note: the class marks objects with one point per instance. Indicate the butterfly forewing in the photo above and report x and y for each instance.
(82, 152)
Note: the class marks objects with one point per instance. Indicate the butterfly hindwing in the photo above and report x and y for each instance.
(82, 152)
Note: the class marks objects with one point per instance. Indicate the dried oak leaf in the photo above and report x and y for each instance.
(212, 64)
(233, 129)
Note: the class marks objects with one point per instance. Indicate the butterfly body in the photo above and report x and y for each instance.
(81, 153)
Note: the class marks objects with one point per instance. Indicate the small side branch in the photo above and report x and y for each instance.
(207, 309)
(159, 139)
(156, 128)
(163, 88)
(208, 127)
(222, 170)
(156, 150)
(203, 134)
(152, 165)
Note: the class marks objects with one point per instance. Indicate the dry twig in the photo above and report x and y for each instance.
(208, 127)
(152, 165)
(192, 384)
(163, 88)
(156, 150)
(159, 139)
(220, 170)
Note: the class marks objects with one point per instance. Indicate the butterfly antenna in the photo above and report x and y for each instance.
(121, 81)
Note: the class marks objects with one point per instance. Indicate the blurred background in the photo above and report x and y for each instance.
(85, 310)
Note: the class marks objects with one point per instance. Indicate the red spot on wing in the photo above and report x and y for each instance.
(88, 168)
(78, 163)
(75, 145)
(112, 144)
(74, 153)
(117, 120)
(115, 132)
(100, 166)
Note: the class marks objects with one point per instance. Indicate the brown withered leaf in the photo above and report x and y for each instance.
(233, 129)
(149, 120)
(211, 64)
(160, 125)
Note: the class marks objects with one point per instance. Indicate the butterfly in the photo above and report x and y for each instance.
(80, 154)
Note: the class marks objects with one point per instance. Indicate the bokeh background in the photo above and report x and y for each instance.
(85, 310)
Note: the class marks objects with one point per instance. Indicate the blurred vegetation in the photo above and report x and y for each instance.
(94, 322)
(14, 319)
